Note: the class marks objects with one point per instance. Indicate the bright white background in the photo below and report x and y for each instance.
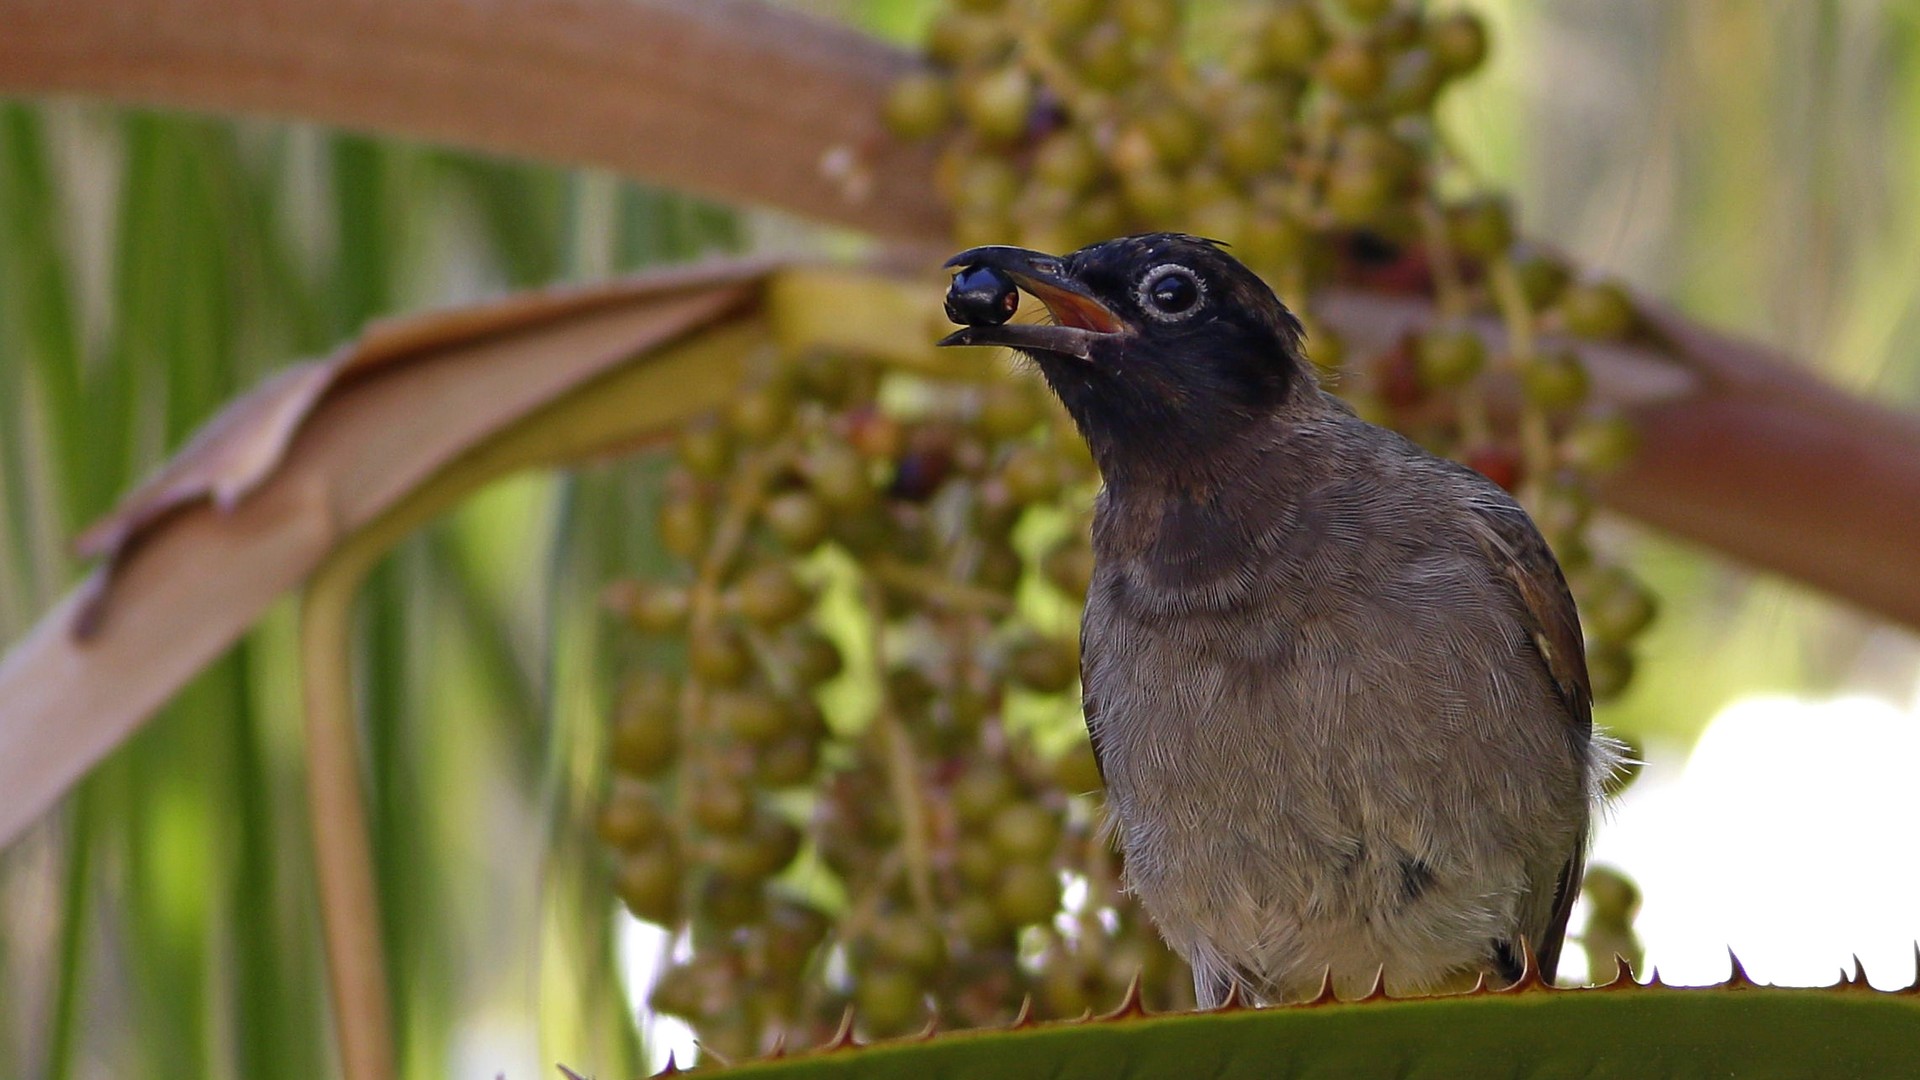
(1791, 833)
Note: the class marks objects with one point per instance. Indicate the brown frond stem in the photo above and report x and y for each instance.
(336, 804)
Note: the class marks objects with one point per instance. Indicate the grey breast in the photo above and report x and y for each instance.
(1316, 729)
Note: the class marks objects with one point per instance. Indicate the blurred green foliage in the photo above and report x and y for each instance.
(163, 925)
(1753, 163)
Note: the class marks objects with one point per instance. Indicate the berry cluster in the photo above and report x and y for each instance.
(863, 781)
(853, 772)
(1308, 141)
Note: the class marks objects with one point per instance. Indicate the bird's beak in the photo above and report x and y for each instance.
(1079, 319)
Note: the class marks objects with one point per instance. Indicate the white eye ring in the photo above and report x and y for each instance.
(1144, 292)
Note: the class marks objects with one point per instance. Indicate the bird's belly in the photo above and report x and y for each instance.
(1279, 820)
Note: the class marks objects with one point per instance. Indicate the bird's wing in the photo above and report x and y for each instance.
(1566, 891)
(1553, 627)
(1553, 624)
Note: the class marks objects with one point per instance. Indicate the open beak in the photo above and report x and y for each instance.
(1079, 320)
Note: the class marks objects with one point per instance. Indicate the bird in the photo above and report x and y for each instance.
(1335, 685)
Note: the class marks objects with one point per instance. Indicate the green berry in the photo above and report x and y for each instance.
(1025, 830)
(768, 845)
(1563, 515)
(753, 716)
(797, 519)
(646, 736)
(762, 413)
(1253, 139)
(838, 475)
(1352, 68)
(769, 596)
(1613, 895)
(1601, 443)
(1609, 669)
(812, 657)
(977, 863)
(730, 903)
(717, 655)
(1177, 135)
(1597, 309)
(985, 185)
(1480, 228)
(1066, 18)
(1067, 162)
(1272, 239)
(917, 107)
(631, 819)
(1367, 10)
(789, 762)
(1293, 37)
(1556, 380)
(1458, 41)
(678, 992)
(1154, 22)
(1375, 146)
(1104, 57)
(1616, 607)
(648, 883)
(722, 807)
(1026, 893)
(958, 38)
(1065, 991)
(1047, 665)
(705, 450)
(998, 104)
(1542, 277)
(978, 924)
(656, 608)
(981, 791)
(888, 1001)
(1450, 355)
(909, 942)
(1357, 192)
(683, 526)
(793, 932)
(1413, 81)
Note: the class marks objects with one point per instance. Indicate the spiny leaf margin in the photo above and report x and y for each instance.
(1626, 1031)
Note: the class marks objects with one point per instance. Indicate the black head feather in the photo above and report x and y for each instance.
(1165, 348)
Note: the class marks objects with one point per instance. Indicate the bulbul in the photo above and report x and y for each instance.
(1336, 685)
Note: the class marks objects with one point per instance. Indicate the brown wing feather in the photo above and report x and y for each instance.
(1553, 626)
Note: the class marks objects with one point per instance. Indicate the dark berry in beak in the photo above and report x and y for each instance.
(982, 296)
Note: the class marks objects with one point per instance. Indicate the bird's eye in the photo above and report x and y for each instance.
(1170, 292)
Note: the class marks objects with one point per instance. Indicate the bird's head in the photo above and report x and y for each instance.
(1162, 346)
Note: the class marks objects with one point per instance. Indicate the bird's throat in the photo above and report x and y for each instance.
(1148, 437)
